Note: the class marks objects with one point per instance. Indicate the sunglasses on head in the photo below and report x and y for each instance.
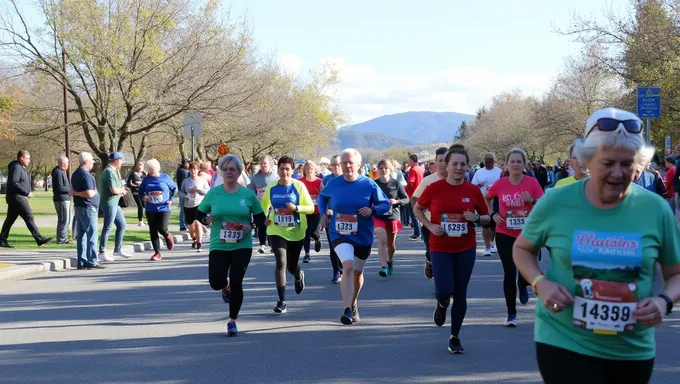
(608, 124)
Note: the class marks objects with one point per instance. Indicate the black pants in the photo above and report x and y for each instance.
(313, 230)
(426, 240)
(18, 206)
(335, 260)
(287, 254)
(504, 244)
(158, 223)
(233, 264)
(262, 235)
(140, 206)
(561, 366)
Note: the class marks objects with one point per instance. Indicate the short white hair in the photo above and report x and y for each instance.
(585, 150)
(352, 152)
(62, 159)
(84, 157)
(153, 164)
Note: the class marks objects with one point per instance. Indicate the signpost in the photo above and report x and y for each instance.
(668, 145)
(649, 106)
(193, 127)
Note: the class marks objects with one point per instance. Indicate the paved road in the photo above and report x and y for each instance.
(143, 322)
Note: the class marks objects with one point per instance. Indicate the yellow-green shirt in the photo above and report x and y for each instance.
(566, 181)
(289, 225)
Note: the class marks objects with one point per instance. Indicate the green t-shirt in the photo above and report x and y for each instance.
(229, 211)
(601, 253)
(109, 179)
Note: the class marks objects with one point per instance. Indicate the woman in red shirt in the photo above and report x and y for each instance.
(516, 195)
(455, 206)
(314, 186)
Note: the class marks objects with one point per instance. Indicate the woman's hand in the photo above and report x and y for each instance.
(555, 296)
(435, 229)
(470, 216)
(365, 211)
(527, 197)
(291, 207)
(393, 201)
(247, 228)
(146, 198)
(498, 219)
(169, 202)
(650, 311)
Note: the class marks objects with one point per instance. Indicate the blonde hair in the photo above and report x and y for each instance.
(513, 151)
(312, 164)
(153, 164)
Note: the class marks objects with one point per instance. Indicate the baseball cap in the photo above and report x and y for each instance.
(115, 156)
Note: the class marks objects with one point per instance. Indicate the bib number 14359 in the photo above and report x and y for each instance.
(604, 316)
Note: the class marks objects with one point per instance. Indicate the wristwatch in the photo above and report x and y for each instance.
(669, 303)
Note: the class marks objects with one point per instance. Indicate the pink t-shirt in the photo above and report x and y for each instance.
(512, 207)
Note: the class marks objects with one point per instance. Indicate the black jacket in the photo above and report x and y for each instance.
(542, 176)
(18, 180)
(60, 185)
(393, 190)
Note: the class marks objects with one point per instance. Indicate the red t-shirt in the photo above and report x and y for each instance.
(668, 182)
(314, 188)
(415, 176)
(510, 200)
(442, 198)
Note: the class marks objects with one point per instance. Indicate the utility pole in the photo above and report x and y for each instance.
(67, 146)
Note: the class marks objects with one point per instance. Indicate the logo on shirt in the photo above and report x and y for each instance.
(466, 200)
(281, 196)
(242, 202)
(605, 243)
(514, 200)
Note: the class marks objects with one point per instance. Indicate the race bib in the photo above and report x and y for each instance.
(284, 217)
(315, 199)
(454, 224)
(191, 196)
(515, 219)
(615, 314)
(346, 224)
(156, 197)
(231, 232)
(260, 193)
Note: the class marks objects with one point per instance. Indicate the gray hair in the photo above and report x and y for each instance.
(153, 164)
(231, 159)
(335, 157)
(84, 157)
(643, 154)
(352, 152)
(62, 159)
(266, 157)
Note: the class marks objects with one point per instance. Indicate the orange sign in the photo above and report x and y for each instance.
(223, 150)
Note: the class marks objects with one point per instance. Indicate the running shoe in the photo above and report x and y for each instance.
(156, 256)
(487, 252)
(455, 347)
(261, 250)
(355, 313)
(306, 259)
(390, 268)
(226, 293)
(280, 307)
(428, 269)
(493, 248)
(232, 330)
(122, 254)
(414, 237)
(198, 247)
(523, 296)
(383, 272)
(336, 278)
(511, 322)
(317, 246)
(170, 242)
(193, 244)
(346, 317)
(104, 257)
(300, 284)
(439, 315)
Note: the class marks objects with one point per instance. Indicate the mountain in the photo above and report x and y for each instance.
(379, 141)
(415, 127)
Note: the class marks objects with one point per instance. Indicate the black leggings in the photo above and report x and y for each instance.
(234, 264)
(287, 254)
(158, 223)
(335, 260)
(504, 244)
(562, 366)
(262, 234)
(426, 240)
(140, 206)
(313, 230)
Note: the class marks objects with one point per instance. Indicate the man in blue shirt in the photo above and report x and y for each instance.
(86, 202)
(334, 167)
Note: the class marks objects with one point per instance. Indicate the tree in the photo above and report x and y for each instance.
(461, 134)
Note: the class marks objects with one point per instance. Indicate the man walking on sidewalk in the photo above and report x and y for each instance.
(86, 201)
(17, 195)
(112, 189)
(62, 199)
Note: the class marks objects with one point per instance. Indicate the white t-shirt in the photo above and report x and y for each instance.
(421, 187)
(489, 177)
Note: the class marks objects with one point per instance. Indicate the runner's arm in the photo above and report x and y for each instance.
(306, 206)
(402, 196)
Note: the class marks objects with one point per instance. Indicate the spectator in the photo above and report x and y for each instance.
(61, 198)
(86, 201)
(181, 175)
(541, 174)
(134, 180)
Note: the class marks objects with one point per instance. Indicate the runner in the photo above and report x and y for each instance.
(258, 183)
(440, 154)
(158, 189)
(668, 182)
(579, 171)
(388, 225)
(231, 242)
(516, 195)
(336, 170)
(415, 177)
(192, 192)
(456, 205)
(314, 186)
(134, 179)
(597, 306)
(484, 178)
(354, 200)
(287, 204)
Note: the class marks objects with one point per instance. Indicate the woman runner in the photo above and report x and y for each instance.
(193, 190)
(314, 186)
(388, 225)
(158, 189)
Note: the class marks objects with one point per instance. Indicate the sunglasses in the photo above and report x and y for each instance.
(608, 124)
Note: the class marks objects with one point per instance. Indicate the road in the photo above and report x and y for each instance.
(143, 322)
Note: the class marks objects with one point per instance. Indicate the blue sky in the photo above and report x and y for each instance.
(440, 55)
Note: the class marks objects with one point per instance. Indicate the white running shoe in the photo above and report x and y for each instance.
(122, 254)
(104, 257)
(493, 248)
(487, 252)
(262, 249)
(141, 225)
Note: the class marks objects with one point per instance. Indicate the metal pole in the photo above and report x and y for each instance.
(193, 149)
(67, 146)
(648, 128)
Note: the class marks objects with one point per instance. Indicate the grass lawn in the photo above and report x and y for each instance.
(41, 204)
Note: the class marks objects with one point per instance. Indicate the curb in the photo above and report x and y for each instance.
(29, 269)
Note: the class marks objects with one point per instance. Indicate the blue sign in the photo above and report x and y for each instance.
(649, 103)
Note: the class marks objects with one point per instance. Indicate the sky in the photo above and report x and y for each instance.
(429, 55)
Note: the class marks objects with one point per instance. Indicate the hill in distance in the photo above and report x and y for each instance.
(414, 127)
(379, 141)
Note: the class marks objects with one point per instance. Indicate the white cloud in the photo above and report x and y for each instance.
(290, 63)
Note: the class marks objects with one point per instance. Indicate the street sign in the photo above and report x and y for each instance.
(649, 103)
(668, 144)
(193, 125)
(223, 150)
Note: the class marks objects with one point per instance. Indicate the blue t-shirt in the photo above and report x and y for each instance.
(160, 190)
(82, 180)
(346, 199)
(327, 178)
(647, 181)
(281, 194)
